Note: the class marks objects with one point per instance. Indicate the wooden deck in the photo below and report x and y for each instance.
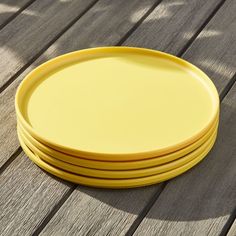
(199, 202)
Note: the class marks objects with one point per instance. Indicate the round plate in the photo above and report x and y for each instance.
(117, 102)
(127, 165)
(122, 174)
(112, 183)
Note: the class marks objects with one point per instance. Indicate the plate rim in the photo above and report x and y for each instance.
(114, 183)
(120, 174)
(131, 155)
(145, 163)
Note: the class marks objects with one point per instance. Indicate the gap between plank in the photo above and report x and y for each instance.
(142, 19)
(227, 87)
(54, 210)
(189, 43)
(32, 60)
(228, 224)
(16, 14)
(145, 210)
(11, 159)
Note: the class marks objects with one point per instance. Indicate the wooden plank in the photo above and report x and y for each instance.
(232, 231)
(99, 212)
(201, 201)
(19, 214)
(9, 8)
(83, 34)
(180, 18)
(25, 36)
(96, 221)
(28, 194)
(217, 39)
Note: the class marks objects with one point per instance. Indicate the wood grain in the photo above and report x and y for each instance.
(28, 194)
(99, 212)
(217, 39)
(87, 32)
(9, 8)
(232, 231)
(172, 24)
(201, 201)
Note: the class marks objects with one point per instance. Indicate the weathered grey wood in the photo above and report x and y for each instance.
(8, 8)
(232, 231)
(201, 201)
(99, 212)
(27, 34)
(25, 221)
(180, 18)
(110, 26)
(218, 39)
(27, 195)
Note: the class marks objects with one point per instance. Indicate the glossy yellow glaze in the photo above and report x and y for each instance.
(117, 103)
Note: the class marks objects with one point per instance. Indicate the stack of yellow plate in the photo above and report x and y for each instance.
(117, 117)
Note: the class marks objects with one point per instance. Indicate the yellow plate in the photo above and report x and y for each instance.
(105, 165)
(122, 174)
(117, 103)
(114, 183)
